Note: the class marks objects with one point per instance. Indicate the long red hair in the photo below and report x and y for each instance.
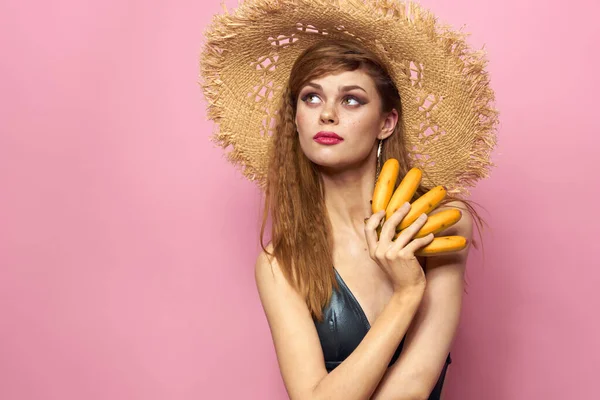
(301, 230)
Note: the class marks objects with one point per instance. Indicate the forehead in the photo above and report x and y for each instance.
(334, 80)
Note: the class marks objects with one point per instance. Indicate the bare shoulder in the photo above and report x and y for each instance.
(265, 263)
(267, 271)
(273, 286)
(464, 226)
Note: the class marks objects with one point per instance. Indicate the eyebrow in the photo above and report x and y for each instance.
(342, 88)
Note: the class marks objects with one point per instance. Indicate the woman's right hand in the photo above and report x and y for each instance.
(397, 257)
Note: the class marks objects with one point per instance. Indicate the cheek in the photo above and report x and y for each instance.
(361, 123)
(366, 122)
(304, 120)
(301, 116)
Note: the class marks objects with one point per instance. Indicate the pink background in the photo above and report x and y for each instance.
(127, 242)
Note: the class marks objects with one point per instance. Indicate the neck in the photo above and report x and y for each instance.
(348, 196)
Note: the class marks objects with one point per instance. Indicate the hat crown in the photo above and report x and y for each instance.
(448, 118)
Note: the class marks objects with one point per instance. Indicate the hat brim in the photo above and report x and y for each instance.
(447, 102)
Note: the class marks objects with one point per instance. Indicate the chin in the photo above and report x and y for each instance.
(332, 161)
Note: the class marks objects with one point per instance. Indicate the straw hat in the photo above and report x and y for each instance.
(449, 121)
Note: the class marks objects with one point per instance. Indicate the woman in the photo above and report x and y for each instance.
(352, 316)
(382, 285)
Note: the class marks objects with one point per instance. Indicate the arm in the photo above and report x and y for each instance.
(298, 349)
(429, 339)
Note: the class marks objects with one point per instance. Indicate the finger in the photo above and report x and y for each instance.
(407, 234)
(389, 227)
(416, 244)
(371, 225)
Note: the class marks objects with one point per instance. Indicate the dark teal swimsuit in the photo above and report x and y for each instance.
(343, 327)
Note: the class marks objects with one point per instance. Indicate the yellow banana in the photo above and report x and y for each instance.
(424, 204)
(405, 191)
(384, 188)
(437, 222)
(442, 244)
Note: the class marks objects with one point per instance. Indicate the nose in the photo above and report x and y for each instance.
(328, 116)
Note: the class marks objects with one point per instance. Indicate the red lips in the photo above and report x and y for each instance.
(328, 135)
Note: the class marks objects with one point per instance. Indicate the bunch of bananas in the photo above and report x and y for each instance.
(385, 198)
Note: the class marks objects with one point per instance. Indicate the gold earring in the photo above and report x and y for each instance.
(379, 157)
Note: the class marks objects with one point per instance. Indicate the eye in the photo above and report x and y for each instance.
(308, 96)
(356, 101)
(352, 98)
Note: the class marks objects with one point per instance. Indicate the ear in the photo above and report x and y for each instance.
(388, 124)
